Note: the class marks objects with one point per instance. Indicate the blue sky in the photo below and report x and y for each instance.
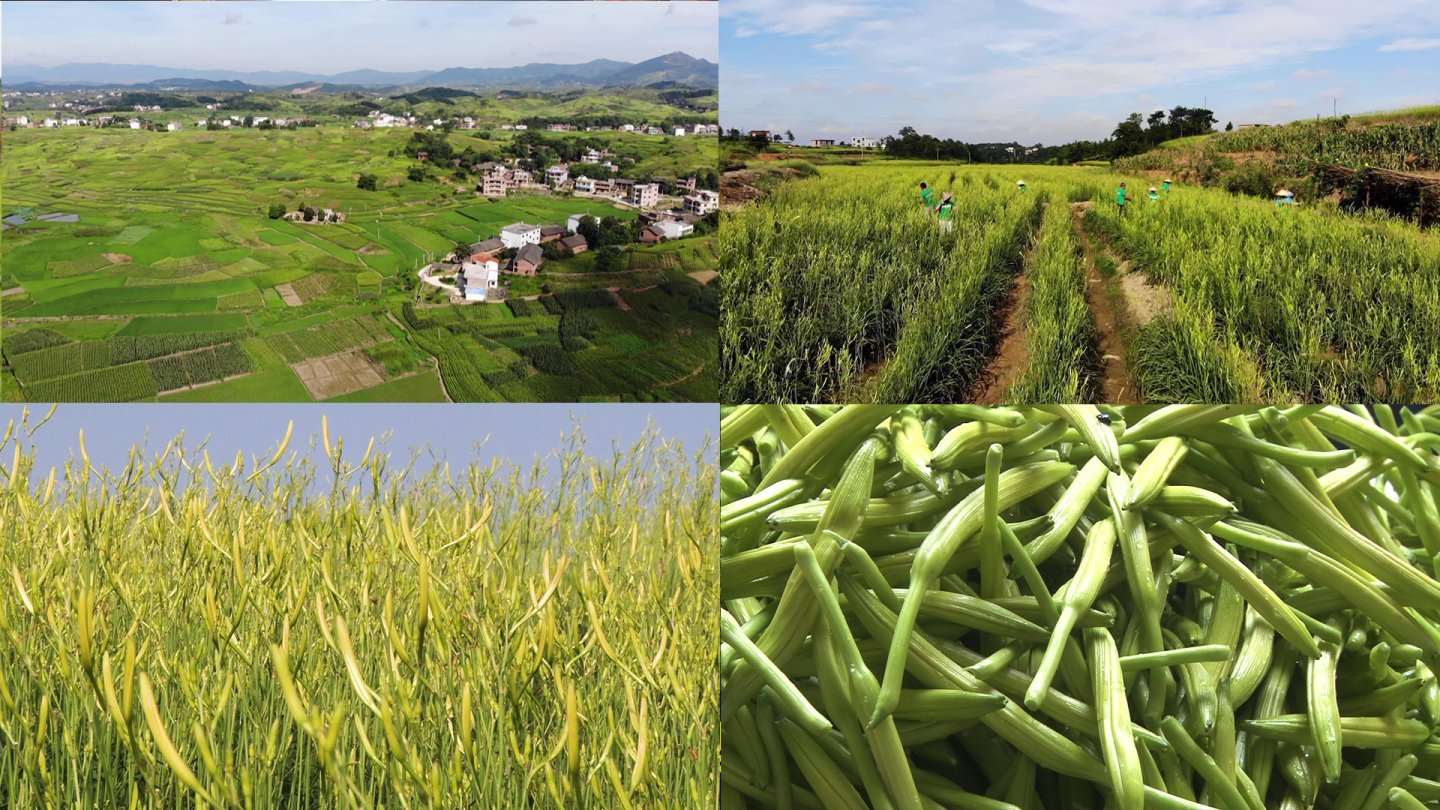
(1053, 71)
(517, 432)
(335, 37)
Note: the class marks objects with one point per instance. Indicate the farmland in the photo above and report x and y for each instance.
(173, 239)
(1202, 296)
(495, 634)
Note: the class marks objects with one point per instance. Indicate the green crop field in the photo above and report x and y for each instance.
(1053, 295)
(442, 633)
(174, 238)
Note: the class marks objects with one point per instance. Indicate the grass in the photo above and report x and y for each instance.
(554, 617)
(274, 385)
(423, 387)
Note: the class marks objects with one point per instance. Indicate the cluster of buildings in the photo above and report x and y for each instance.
(478, 276)
(377, 119)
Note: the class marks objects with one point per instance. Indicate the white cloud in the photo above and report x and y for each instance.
(803, 17)
(231, 19)
(1333, 94)
(742, 31)
(1264, 87)
(874, 88)
(1306, 75)
(517, 20)
(814, 87)
(1412, 44)
(1282, 103)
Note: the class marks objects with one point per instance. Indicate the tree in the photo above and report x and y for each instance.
(309, 213)
(460, 253)
(366, 182)
(789, 136)
(249, 121)
(416, 175)
(277, 210)
(1229, 125)
(609, 259)
(589, 228)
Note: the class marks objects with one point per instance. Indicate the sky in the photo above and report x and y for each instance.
(1053, 71)
(334, 37)
(519, 432)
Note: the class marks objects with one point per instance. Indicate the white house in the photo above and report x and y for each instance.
(557, 175)
(573, 223)
(134, 123)
(71, 122)
(591, 156)
(702, 202)
(519, 235)
(280, 122)
(645, 194)
(51, 122)
(864, 142)
(202, 122)
(521, 127)
(172, 126)
(226, 123)
(23, 121)
(675, 230)
(478, 277)
(584, 185)
(261, 119)
(627, 127)
(679, 132)
(654, 131)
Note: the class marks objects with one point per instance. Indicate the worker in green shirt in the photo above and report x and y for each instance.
(1020, 184)
(1153, 195)
(1165, 186)
(946, 210)
(1120, 198)
(925, 195)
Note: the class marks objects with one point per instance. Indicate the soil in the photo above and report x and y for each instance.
(704, 276)
(738, 188)
(619, 300)
(1115, 384)
(1144, 301)
(117, 258)
(1014, 352)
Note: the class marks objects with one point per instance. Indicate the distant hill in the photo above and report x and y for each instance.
(672, 67)
(675, 67)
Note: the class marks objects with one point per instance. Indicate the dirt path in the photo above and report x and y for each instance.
(620, 302)
(1014, 354)
(1115, 384)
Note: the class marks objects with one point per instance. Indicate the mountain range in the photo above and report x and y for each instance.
(676, 67)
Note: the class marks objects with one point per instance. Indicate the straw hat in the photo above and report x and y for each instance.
(945, 196)
(1019, 182)
(1283, 193)
(1152, 188)
(1167, 179)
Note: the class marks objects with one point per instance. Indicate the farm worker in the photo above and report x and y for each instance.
(945, 209)
(1120, 198)
(1284, 198)
(925, 195)
(1020, 184)
(1165, 186)
(1153, 195)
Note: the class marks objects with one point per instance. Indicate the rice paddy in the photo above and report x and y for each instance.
(341, 628)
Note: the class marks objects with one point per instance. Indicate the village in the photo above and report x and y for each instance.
(473, 275)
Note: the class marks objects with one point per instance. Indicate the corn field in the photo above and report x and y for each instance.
(358, 631)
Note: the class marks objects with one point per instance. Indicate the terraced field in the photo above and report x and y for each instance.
(173, 237)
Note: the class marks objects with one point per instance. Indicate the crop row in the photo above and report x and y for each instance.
(865, 296)
(90, 355)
